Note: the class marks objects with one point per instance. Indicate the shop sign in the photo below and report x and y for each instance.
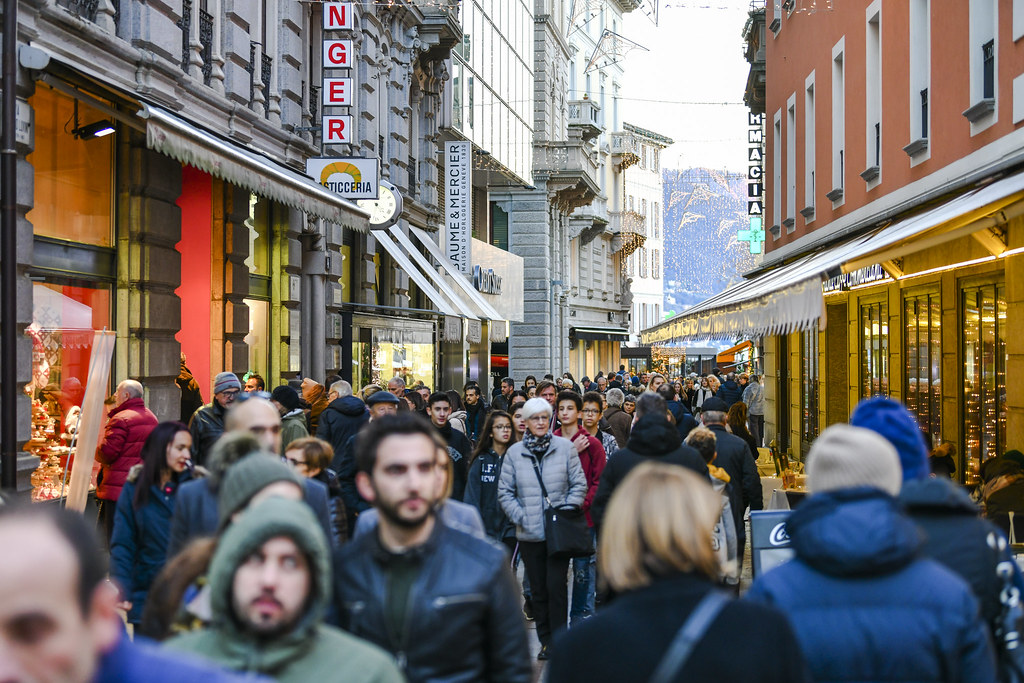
(846, 281)
(457, 192)
(337, 91)
(474, 331)
(486, 281)
(348, 177)
(754, 234)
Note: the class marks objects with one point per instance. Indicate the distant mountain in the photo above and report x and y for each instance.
(704, 210)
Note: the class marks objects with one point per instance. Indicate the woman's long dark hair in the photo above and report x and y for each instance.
(736, 418)
(154, 460)
(486, 441)
(454, 400)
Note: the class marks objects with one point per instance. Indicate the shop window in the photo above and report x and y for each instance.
(984, 354)
(874, 349)
(922, 317)
(391, 353)
(809, 385)
(258, 339)
(64, 319)
(74, 172)
(259, 225)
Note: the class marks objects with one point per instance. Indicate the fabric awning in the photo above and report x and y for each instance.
(460, 280)
(461, 303)
(400, 257)
(238, 165)
(599, 333)
(790, 299)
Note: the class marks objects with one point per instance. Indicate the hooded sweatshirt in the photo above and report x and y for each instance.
(311, 651)
(864, 607)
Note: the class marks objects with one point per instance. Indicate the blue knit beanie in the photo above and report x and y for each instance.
(892, 420)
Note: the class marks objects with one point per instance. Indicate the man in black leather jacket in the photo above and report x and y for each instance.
(444, 603)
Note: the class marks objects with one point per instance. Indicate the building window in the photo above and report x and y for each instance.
(874, 349)
(777, 172)
(809, 385)
(655, 263)
(642, 261)
(920, 70)
(809, 149)
(791, 163)
(873, 96)
(838, 124)
(922, 318)
(984, 387)
(983, 55)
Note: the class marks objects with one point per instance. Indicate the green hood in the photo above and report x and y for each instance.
(271, 518)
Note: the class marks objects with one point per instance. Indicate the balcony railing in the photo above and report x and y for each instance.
(206, 39)
(185, 24)
(586, 116)
(629, 229)
(266, 71)
(86, 9)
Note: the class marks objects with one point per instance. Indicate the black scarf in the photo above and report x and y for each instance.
(537, 446)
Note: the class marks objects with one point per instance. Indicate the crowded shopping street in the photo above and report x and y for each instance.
(511, 341)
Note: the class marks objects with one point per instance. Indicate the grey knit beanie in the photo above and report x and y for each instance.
(249, 476)
(845, 457)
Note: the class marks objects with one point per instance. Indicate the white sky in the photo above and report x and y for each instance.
(696, 55)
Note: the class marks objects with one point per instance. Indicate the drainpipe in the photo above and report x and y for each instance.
(9, 255)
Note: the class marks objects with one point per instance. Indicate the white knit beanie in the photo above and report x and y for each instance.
(845, 457)
(536, 406)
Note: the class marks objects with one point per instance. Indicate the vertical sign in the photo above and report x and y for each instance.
(458, 202)
(754, 234)
(337, 92)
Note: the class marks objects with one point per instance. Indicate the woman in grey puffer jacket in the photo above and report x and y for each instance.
(519, 494)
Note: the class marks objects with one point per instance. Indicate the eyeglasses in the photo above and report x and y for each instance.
(539, 418)
(294, 463)
(246, 395)
(590, 411)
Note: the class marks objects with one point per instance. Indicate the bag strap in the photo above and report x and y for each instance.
(689, 634)
(540, 480)
(1013, 531)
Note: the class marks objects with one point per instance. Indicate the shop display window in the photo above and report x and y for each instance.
(922, 317)
(258, 339)
(64, 319)
(378, 362)
(74, 174)
(984, 357)
(809, 384)
(874, 349)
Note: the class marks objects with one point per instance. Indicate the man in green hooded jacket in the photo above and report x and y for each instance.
(270, 582)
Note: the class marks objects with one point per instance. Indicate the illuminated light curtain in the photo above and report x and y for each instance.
(984, 385)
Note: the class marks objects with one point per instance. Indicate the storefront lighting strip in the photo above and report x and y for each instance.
(874, 283)
(1012, 252)
(952, 266)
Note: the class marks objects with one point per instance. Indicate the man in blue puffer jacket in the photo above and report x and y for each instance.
(863, 605)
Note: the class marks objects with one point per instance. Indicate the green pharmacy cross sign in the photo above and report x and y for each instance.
(755, 235)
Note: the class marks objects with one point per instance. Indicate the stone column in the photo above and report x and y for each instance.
(530, 238)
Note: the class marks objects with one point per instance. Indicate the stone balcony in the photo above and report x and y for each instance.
(570, 169)
(440, 30)
(585, 115)
(587, 222)
(625, 150)
(630, 231)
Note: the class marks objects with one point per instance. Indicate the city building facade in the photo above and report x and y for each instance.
(893, 205)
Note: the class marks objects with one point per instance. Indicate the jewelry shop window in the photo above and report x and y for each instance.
(874, 349)
(984, 388)
(922, 317)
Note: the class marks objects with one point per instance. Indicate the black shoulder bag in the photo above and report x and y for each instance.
(565, 527)
(1010, 622)
(689, 634)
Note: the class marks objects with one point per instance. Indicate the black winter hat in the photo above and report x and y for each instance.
(286, 396)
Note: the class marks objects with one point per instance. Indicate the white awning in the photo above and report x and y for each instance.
(460, 280)
(790, 298)
(461, 303)
(443, 305)
(230, 161)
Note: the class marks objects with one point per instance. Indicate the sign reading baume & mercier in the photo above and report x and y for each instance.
(457, 192)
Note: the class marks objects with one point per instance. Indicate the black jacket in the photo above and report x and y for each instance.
(463, 623)
(627, 639)
(206, 426)
(956, 536)
(734, 458)
(339, 422)
(684, 420)
(482, 493)
(476, 416)
(730, 392)
(459, 450)
(653, 437)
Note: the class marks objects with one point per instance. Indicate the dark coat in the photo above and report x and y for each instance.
(206, 426)
(463, 620)
(339, 514)
(627, 639)
(128, 427)
(1000, 504)
(619, 423)
(653, 438)
(138, 545)
(459, 450)
(684, 419)
(957, 537)
(191, 395)
(339, 422)
(482, 493)
(745, 483)
(475, 419)
(864, 607)
(196, 512)
(138, 662)
(730, 392)
(350, 496)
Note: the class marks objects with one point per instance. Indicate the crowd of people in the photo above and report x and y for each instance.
(317, 532)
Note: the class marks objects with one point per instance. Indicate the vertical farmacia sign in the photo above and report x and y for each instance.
(458, 204)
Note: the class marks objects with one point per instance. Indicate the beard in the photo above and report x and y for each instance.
(392, 512)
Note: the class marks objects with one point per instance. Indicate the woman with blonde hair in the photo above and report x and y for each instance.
(656, 555)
